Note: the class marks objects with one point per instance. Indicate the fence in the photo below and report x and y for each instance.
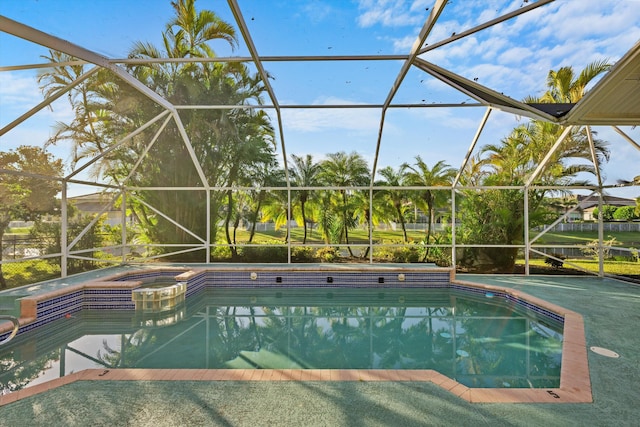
(18, 247)
(593, 226)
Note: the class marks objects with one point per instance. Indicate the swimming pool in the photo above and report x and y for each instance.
(477, 340)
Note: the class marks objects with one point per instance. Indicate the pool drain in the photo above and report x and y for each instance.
(604, 352)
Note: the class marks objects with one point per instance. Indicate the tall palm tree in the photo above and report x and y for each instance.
(276, 208)
(345, 170)
(192, 30)
(496, 216)
(86, 129)
(304, 172)
(564, 87)
(262, 175)
(397, 198)
(419, 174)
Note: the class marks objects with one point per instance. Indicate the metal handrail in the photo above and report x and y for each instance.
(16, 325)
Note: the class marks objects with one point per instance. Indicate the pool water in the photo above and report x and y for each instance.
(476, 340)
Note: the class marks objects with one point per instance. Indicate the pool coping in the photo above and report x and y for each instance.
(575, 382)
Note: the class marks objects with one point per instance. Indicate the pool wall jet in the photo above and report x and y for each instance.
(136, 288)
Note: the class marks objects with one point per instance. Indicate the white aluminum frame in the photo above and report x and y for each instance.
(170, 111)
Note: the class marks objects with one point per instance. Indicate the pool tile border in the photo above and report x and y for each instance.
(575, 383)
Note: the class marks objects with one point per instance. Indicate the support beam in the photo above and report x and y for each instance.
(486, 25)
(547, 157)
(48, 101)
(627, 137)
(472, 147)
(47, 40)
(436, 10)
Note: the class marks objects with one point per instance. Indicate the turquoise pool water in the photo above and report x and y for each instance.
(478, 340)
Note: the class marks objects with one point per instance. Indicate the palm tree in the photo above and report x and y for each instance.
(397, 198)
(496, 216)
(262, 175)
(191, 31)
(86, 101)
(421, 175)
(564, 87)
(344, 170)
(304, 172)
(276, 208)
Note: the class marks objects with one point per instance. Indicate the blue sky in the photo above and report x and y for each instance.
(513, 57)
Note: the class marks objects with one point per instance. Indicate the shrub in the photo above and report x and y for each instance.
(553, 262)
(303, 254)
(220, 253)
(406, 254)
(327, 254)
(592, 248)
(607, 212)
(625, 213)
(50, 236)
(268, 254)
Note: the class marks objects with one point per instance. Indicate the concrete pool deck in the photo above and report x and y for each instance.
(609, 309)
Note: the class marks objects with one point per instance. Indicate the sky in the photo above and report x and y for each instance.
(513, 58)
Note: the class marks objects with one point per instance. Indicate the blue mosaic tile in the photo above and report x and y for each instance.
(120, 299)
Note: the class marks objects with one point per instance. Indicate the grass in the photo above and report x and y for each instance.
(32, 271)
(19, 230)
(355, 236)
(27, 272)
(623, 238)
(619, 268)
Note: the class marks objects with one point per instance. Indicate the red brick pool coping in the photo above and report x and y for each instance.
(575, 383)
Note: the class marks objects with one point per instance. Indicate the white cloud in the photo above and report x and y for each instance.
(327, 119)
(20, 93)
(404, 44)
(515, 55)
(318, 11)
(390, 13)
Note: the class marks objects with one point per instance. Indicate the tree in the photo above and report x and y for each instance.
(225, 143)
(420, 175)
(625, 213)
(27, 187)
(608, 212)
(303, 172)
(190, 31)
(397, 198)
(564, 87)
(265, 175)
(496, 216)
(344, 170)
(276, 209)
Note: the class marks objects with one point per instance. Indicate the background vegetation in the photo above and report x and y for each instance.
(130, 139)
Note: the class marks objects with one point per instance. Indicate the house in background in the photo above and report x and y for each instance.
(587, 205)
(95, 203)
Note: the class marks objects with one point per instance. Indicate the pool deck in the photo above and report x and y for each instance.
(608, 307)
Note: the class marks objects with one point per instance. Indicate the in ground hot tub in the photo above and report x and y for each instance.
(159, 296)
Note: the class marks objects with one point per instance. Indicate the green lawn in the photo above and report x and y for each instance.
(620, 268)
(355, 236)
(624, 238)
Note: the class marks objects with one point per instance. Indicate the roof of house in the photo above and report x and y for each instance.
(587, 202)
